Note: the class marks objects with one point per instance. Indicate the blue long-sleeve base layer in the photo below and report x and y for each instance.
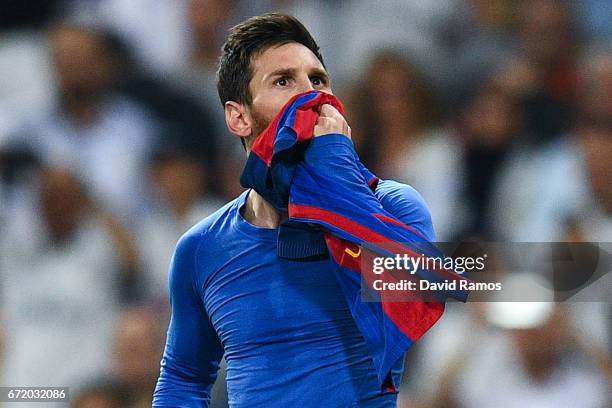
(283, 325)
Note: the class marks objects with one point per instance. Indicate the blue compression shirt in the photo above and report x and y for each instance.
(284, 326)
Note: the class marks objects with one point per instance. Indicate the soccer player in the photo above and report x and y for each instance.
(284, 326)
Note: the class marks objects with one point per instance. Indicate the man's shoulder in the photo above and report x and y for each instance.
(203, 247)
(389, 190)
(407, 204)
(219, 222)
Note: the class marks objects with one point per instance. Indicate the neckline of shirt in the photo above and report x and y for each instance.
(262, 233)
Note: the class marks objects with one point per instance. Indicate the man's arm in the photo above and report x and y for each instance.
(400, 200)
(193, 350)
(334, 154)
(407, 205)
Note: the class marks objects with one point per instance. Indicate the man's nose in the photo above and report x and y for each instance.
(305, 85)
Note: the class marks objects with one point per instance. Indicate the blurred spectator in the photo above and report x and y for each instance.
(455, 167)
(478, 36)
(568, 178)
(182, 201)
(411, 27)
(489, 126)
(166, 52)
(395, 130)
(156, 30)
(188, 121)
(101, 395)
(103, 136)
(543, 72)
(207, 19)
(207, 22)
(391, 115)
(139, 342)
(138, 346)
(460, 327)
(61, 283)
(152, 44)
(534, 360)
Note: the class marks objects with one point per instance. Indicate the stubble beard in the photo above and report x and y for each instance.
(260, 123)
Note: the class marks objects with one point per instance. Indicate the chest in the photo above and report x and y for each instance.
(259, 298)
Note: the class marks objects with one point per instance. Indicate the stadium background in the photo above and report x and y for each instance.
(113, 142)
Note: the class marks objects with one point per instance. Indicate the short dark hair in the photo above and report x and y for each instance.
(250, 38)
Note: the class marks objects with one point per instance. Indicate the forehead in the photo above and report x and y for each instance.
(286, 56)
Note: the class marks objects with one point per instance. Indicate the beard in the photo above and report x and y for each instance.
(260, 123)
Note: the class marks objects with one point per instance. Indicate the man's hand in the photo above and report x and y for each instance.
(331, 121)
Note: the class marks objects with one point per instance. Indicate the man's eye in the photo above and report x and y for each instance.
(316, 81)
(282, 82)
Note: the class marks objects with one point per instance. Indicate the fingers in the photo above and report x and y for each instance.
(328, 110)
(331, 121)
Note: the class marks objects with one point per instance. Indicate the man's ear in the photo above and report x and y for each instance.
(237, 119)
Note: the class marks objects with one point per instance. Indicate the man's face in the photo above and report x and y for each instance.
(279, 73)
(81, 62)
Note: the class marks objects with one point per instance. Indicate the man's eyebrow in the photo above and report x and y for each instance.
(280, 72)
(320, 72)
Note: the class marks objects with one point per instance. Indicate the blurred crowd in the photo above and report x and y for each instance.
(113, 143)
